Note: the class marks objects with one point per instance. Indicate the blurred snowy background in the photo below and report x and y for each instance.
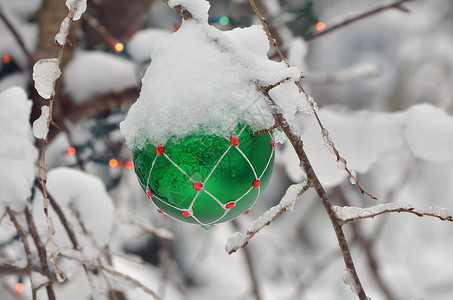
(384, 86)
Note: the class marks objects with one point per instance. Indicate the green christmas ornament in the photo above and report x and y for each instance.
(206, 179)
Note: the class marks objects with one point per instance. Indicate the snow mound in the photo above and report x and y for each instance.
(17, 151)
(81, 76)
(205, 80)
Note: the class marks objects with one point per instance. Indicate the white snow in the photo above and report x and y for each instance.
(437, 211)
(142, 42)
(61, 36)
(351, 212)
(77, 6)
(290, 100)
(38, 279)
(83, 199)
(287, 202)
(17, 151)
(45, 72)
(82, 75)
(234, 241)
(429, 132)
(198, 8)
(40, 126)
(364, 137)
(201, 78)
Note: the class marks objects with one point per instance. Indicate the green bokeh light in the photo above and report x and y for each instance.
(224, 20)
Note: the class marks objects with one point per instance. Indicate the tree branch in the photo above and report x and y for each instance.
(24, 239)
(60, 214)
(41, 252)
(16, 35)
(366, 245)
(396, 5)
(350, 214)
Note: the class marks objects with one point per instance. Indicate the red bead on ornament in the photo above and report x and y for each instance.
(198, 186)
(230, 205)
(185, 213)
(160, 150)
(256, 184)
(234, 141)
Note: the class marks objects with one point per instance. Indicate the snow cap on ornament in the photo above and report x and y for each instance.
(191, 129)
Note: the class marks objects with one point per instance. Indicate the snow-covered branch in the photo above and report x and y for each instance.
(239, 240)
(349, 214)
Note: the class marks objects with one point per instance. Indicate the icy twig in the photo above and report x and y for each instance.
(41, 251)
(305, 163)
(397, 5)
(238, 240)
(24, 239)
(366, 245)
(75, 255)
(325, 135)
(350, 214)
(45, 84)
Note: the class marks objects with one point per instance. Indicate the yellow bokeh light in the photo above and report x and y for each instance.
(119, 47)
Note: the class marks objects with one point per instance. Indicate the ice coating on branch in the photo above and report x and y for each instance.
(40, 128)
(61, 36)
(204, 79)
(77, 6)
(45, 73)
(17, 151)
(234, 241)
(287, 202)
(198, 8)
(348, 279)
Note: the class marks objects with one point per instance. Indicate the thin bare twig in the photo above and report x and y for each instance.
(41, 252)
(397, 5)
(250, 266)
(23, 237)
(16, 35)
